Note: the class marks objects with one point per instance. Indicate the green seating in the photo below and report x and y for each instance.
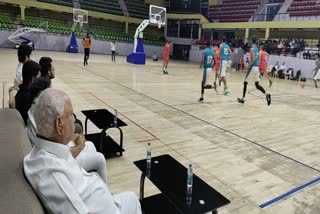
(6, 23)
(53, 27)
(101, 33)
(106, 34)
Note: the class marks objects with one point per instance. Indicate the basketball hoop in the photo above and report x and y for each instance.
(157, 16)
(79, 17)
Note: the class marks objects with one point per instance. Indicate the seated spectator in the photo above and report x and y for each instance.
(298, 75)
(275, 69)
(24, 52)
(289, 73)
(47, 69)
(281, 71)
(306, 55)
(87, 156)
(23, 99)
(61, 184)
(155, 56)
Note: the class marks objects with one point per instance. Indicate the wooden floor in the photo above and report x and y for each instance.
(251, 153)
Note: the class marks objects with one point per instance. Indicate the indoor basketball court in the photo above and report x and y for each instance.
(263, 159)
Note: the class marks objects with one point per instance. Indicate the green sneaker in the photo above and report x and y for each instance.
(226, 91)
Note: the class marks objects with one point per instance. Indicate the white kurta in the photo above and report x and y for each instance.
(65, 187)
(18, 79)
(88, 158)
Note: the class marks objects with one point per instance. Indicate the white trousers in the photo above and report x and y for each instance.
(253, 73)
(127, 203)
(316, 74)
(91, 160)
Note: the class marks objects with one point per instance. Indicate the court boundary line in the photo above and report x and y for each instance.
(289, 193)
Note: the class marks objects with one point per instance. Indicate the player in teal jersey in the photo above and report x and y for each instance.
(253, 72)
(207, 62)
(316, 71)
(225, 53)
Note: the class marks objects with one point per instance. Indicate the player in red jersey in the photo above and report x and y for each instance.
(263, 63)
(216, 66)
(166, 57)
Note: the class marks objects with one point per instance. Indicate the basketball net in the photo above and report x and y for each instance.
(159, 23)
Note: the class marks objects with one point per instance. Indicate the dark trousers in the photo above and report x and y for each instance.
(281, 74)
(113, 56)
(86, 56)
(279, 51)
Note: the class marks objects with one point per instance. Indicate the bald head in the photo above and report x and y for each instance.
(53, 115)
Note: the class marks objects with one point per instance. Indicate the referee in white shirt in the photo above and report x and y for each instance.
(61, 183)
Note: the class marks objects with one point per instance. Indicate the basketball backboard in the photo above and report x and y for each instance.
(80, 16)
(157, 16)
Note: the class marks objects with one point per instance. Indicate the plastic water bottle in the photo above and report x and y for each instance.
(148, 159)
(115, 119)
(189, 185)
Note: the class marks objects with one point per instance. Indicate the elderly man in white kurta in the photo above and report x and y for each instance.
(60, 182)
(85, 153)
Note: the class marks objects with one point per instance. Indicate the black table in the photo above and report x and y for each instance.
(170, 177)
(103, 119)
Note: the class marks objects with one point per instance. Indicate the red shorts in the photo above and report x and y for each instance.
(263, 68)
(217, 67)
(166, 58)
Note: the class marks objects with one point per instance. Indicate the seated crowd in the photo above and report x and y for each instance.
(281, 71)
(278, 70)
(232, 42)
(279, 46)
(65, 170)
(292, 47)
